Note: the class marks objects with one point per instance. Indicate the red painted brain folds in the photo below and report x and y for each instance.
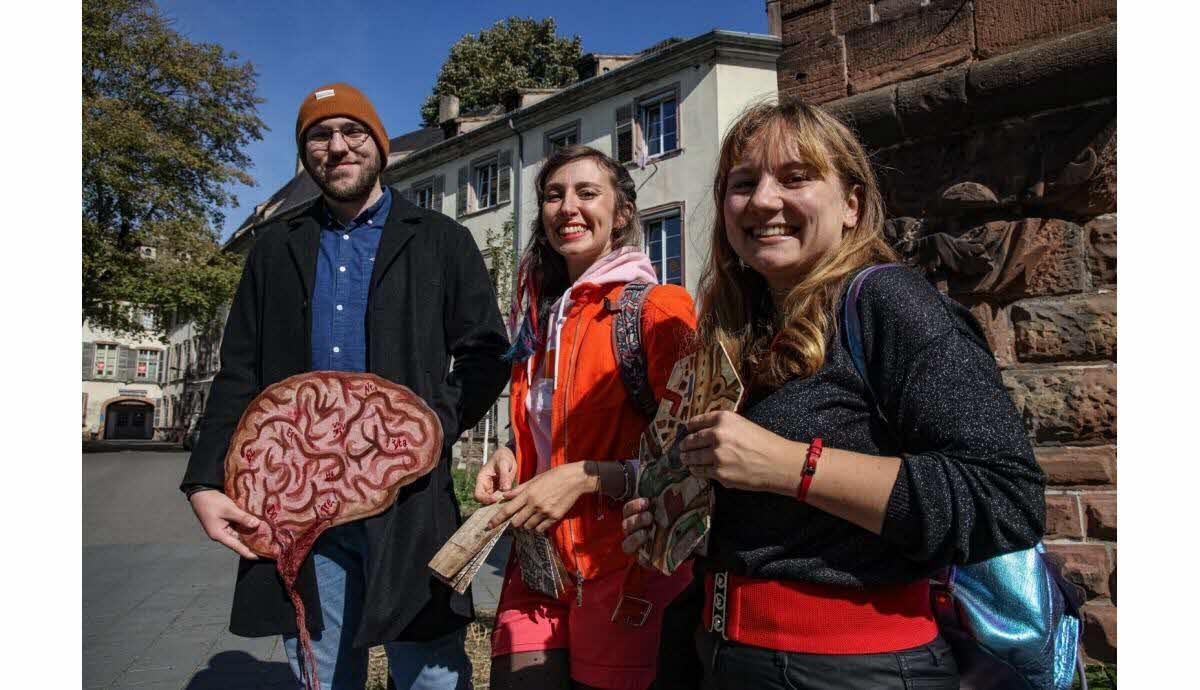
(325, 448)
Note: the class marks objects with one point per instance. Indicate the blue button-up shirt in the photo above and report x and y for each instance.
(339, 301)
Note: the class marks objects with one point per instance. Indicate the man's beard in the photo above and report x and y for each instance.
(346, 190)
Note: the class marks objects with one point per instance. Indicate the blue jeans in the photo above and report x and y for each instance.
(339, 555)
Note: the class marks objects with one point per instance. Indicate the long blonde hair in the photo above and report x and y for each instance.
(770, 346)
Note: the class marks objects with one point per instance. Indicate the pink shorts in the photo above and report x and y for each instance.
(601, 653)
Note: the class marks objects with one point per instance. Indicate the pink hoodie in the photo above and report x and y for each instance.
(624, 265)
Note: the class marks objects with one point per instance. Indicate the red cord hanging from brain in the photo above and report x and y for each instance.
(322, 449)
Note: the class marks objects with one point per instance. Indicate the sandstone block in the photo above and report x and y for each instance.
(1078, 328)
(849, 15)
(871, 115)
(1079, 466)
(1062, 517)
(1087, 565)
(804, 27)
(1100, 631)
(934, 104)
(1005, 25)
(1073, 69)
(1102, 249)
(790, 7)
(1066, 405)
(1100, 511)
(1031, 257)
(998, 328)
(918, 43)
(813, 69)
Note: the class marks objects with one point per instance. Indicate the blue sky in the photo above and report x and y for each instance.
(393, 50)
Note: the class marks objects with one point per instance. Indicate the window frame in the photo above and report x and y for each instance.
(570, 129)
(154, 361)
(426, 185)
(661, 213)
(650, 99)
(492, 162)
(107, 372)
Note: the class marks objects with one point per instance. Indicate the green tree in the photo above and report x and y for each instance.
(514, 53)
(501, 256)
(165, 122)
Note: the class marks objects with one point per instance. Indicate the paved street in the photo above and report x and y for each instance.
(156, 591)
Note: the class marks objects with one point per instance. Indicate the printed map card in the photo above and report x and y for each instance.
(541, 568)
(681, 503)
(461, 557)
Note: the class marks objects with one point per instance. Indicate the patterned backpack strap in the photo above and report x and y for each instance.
(627, 346)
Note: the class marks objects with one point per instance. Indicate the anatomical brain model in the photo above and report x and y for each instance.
(321, 449)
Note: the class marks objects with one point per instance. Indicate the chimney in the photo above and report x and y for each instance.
(447, 108)
(774, 19)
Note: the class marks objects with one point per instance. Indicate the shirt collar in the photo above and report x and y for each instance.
(375, 216)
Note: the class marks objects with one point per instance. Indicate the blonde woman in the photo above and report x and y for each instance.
(836, 498)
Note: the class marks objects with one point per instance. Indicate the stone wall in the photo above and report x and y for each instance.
(993, 128)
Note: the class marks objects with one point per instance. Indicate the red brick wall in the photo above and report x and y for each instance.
(993, 128)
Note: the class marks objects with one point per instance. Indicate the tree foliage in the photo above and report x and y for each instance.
(165, 121)
(500, 253)
(514, 53)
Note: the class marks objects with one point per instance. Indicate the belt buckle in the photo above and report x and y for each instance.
(638, 618)
(720, 595)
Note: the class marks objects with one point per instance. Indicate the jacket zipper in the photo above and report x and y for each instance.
(566, 439)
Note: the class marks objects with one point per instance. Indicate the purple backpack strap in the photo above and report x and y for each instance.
(627, 346)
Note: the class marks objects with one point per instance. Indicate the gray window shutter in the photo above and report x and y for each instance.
(504, 172)
(463, 190)
(89, 359)
(439, 190)
(126, 363)
(623, 147)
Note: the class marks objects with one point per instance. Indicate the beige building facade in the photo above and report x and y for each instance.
(122, 385)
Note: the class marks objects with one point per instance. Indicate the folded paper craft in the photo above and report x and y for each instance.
(680, 503)
(322, 449)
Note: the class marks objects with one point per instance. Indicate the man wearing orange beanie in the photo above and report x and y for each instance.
(359, 279)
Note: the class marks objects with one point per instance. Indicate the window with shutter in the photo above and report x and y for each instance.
(659, 120)
(105, 361)
(486, 183)
(423, 194)
(504, 186)
(623, 133)
(439, 191)
(464, 187)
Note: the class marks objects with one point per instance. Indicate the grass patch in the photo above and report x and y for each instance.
(1100, 677)
(464, 488)
(479, 651)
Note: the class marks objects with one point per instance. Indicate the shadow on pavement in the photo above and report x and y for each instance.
(237, 670)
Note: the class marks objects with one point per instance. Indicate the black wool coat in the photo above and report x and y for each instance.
(430, 299)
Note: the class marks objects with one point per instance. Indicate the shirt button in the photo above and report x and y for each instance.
(336, 349)
(345, 237)
(339, 307)
(342, 269)
(369, 221)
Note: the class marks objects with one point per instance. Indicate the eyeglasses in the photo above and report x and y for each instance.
(319, 138)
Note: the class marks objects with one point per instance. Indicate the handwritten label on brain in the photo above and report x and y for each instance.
(322, 449)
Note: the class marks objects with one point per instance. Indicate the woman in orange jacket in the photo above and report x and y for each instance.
(576, 433)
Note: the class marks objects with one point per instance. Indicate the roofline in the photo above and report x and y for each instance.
(717, 43)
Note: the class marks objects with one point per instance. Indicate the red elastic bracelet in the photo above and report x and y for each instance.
(810, 468)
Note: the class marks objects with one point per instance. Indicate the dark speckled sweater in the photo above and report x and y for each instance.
(968, 488)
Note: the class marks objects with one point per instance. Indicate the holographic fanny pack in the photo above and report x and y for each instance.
(1013, 620)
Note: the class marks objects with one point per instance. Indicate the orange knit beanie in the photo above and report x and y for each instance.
(339, 100)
